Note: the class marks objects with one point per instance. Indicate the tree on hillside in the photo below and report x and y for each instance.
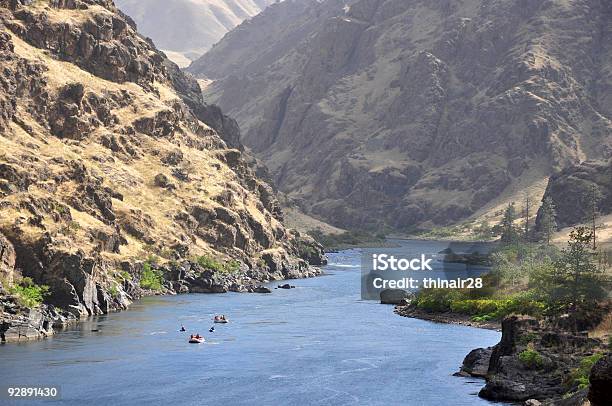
(576, 283)
(548, 220)
(526, 213)
(509, 233)
(592, 211)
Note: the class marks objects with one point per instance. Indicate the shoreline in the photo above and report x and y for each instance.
(445, 318)
(441, 239)
(31, 326)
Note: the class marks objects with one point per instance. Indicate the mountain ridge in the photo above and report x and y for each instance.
(408, 114)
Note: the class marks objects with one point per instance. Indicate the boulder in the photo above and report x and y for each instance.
(162, 181)
(600, 390)
(476, 363)
(393, 296)
(261, 289)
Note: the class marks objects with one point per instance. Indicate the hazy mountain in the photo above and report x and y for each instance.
(404, 112)
(185, 29)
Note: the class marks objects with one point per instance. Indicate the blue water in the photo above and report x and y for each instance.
(318, 344)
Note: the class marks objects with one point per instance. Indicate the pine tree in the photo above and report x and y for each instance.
(577, 283)
(509, 233)
(526, 213)
(592, 211)
(548, 221)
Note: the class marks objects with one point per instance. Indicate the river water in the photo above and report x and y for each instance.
(317, 344)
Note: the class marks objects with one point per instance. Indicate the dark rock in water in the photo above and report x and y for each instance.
(476, 363)
(600, 391)
(394, 296)
(261, 289)
(285, 286)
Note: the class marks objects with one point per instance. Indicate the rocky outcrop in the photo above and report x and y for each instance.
(573, 190)
(600, 380)
(112, 184)
(7, 260)
(20, 323)
(476, 363)
(411, 113)
(533, 361)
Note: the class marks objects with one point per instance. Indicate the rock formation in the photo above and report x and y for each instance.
(600, 380)
(405, 113)
(572, 191)
(546, 375)
(112, 167)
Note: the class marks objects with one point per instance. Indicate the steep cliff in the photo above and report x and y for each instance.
(110, 174)
(407, 113)
(574, 189)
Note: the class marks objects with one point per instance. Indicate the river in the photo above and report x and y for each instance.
(317, 344)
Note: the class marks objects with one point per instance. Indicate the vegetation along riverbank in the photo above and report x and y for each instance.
(553, 307)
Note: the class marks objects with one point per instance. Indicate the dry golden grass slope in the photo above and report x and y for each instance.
(105, 158)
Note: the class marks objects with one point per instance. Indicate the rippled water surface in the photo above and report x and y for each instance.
(318, 344)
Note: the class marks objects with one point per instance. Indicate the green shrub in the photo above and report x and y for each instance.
(151, 279)
(70, 229)
(210, 263)
(113, 290)
(531, 358)
(497, 308)
(482, 319)
(232, 266)
(580, 376)
(475, 307)
(28, 293)
(527, 338)
(437, 300)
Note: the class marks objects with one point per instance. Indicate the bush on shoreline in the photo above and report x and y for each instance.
(151, 279)
(28, 293)
(223, 267)
(482, 309)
